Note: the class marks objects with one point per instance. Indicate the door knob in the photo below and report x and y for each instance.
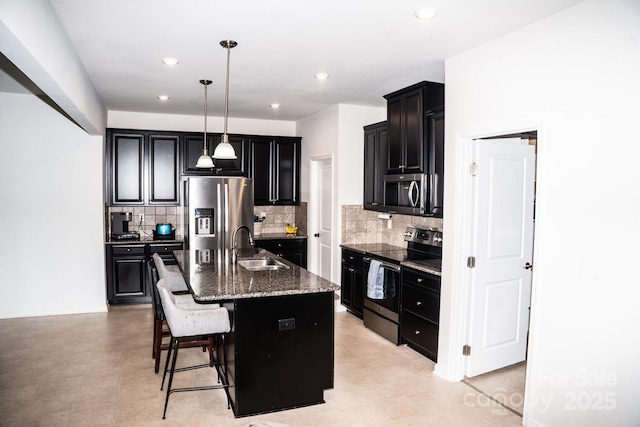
(316, 235)
(528, 266)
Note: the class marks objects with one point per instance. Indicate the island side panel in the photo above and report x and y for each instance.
(281, 352)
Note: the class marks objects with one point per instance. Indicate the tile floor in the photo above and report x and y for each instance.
(96, 370)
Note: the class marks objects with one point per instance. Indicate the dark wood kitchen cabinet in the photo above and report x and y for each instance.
(127, 281)
(275, 169)
(435, 129)
(375, 165)
(353, 282)
(142, 168)
(292, 249)
(420, 311)
(193, 150)
(408, 138)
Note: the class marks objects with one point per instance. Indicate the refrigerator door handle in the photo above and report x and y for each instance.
(217, 214)
(226, 209)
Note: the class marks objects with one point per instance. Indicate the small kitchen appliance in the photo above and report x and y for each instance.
(120, 227)
(164, 232)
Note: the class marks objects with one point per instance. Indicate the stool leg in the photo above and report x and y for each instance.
(211, 347)
(157, 343)
(173, 368)
(166, 363)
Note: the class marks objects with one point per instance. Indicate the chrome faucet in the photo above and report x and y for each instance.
(234, 242)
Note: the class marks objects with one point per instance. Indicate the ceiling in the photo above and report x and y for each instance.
(369, 48)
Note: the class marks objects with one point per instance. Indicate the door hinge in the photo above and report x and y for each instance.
(473, 169)
(466, 350)
(471, 262)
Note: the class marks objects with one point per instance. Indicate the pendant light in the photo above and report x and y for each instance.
(224, 150)
(205, 161)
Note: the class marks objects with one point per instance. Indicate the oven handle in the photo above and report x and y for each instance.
(384, 264)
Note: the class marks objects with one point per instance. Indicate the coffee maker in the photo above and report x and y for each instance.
(120, 226)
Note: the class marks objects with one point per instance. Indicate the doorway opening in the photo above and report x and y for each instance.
(321, 202)
(499, 307)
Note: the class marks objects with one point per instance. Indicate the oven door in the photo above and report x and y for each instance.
(388, 306)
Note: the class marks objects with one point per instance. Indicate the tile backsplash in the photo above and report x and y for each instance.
(277, 217)
(364, 226)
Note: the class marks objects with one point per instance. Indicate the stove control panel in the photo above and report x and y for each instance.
(424, 236)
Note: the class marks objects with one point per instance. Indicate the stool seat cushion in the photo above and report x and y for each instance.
(172, 277)
(185, 320)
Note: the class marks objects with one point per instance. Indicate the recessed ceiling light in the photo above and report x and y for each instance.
(274, 106)
(164, 97)
(426, 13)
(321, 76)
(170, 61)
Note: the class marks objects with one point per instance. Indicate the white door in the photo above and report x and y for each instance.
(503, 249)
(320, 230)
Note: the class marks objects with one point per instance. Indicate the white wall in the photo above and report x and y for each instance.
(574, 77)
(337, 132)
(51, 186)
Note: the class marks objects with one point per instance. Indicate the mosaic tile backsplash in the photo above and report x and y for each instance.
(277, 217)
(364, 226)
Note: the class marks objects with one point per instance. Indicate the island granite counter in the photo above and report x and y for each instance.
(280, 350)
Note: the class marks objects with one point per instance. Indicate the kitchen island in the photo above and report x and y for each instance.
(279, 352)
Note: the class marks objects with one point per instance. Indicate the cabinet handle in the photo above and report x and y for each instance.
(418, 302)
(417, 332)
(128, 249)
(166, 249)
(351, 270)
(419, 279)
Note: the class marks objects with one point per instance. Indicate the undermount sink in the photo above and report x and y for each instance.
(261, 264)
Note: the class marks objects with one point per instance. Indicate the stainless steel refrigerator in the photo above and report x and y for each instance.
(213, 208)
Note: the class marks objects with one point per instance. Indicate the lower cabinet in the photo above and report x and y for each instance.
(420, 311)
(126, 270)
(292, 249)
(353, 282)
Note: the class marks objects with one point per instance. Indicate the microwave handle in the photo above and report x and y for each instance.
(414, 188)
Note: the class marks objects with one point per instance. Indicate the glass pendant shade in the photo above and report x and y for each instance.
(205, 161)
(224, 150)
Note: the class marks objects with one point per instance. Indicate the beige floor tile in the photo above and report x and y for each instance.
(96, 369)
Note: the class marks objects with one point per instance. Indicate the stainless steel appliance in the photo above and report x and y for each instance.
(406, 193)
(382, 312)
(120, 227)
(213, 208)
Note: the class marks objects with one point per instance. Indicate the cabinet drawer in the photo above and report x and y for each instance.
(421, 301)
(164, 248)
(354, 258)
(127, 249)
(422, 333)
(421, 279)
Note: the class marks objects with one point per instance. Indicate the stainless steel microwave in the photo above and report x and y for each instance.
(406, 193)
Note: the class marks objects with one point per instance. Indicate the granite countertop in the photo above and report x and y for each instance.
(220, 280)
(273, 236)
(431, 266)
(143, 239)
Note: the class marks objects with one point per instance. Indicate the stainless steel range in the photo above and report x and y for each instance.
(383, 275)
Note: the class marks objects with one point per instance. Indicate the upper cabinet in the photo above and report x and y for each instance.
(435, 131)
(375, 164)
(193, 150)
(142, 168)
(275, 169)
(145, 167)
(408, 137)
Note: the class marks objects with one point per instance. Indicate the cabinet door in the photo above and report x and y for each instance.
(413, 155)
(375, 165)
(193, 150)
(164, 154)
(435, 129)
(346, 285)
(128, 276)
(262, 171)
(238, 166)
(127, 169)
(287, 171)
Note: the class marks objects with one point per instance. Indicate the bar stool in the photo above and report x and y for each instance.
(187, 319)
(159, 318)
(173, 279)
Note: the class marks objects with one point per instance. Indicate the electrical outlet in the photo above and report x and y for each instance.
(141, 217)
(263, 215)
